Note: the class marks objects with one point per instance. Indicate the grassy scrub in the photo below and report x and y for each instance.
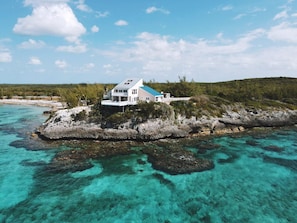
(258, 92)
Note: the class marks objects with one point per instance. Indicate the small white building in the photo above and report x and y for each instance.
(129, 92)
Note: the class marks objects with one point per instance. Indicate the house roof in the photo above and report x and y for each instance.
(128, 83)
(151, 91)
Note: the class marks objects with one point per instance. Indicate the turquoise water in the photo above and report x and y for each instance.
(250, 183)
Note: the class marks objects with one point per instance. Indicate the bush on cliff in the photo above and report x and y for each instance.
(151, 110)
(199, 106)
(81, 116)
(136, 114)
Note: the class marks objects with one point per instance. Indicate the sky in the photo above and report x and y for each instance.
(106, 41)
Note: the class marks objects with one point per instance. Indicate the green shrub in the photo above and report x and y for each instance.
(81, 116)
(117, 119)
(149, 110)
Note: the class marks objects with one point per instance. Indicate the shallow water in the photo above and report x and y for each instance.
(248, 184)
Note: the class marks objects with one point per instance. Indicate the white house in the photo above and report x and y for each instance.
(129, 92)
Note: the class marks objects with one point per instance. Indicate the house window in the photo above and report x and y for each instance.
(134, 91)
(116, 90)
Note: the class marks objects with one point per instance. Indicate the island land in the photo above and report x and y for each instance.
(212, 109)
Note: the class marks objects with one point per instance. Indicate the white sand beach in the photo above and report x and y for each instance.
(44, 103)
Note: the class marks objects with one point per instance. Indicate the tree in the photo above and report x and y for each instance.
(183, 88)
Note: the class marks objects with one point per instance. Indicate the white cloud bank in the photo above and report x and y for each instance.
(54, 18)
(285, 31)
(32, 44)
(79, 48)
(156, 56)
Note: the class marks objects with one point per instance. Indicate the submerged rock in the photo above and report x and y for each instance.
(273, 148)
(176, 161)
(204, 147)
(290, 164)
(251, 142)
(163, 180)
(79, 159)
(70, 160)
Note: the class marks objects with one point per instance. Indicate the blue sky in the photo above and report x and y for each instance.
(103, 41)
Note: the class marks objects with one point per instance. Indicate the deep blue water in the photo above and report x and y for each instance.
(248, 184)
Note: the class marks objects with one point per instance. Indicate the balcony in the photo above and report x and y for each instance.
(117, 103)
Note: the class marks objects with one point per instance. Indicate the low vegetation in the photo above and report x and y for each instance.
(207, 99)
(199, 106)
(73, 94)
(258, 89)
(136, 114)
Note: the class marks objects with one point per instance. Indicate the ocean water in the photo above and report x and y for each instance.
(254, 180)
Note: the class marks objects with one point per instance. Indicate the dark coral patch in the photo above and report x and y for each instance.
(291, 164)
(176, 161)
(273, 148)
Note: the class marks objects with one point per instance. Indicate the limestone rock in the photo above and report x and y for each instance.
(62, 125)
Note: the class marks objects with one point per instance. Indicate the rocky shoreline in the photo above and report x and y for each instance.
(62, 125)
(173, 160)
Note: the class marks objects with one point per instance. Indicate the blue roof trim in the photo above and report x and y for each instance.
(151, 91)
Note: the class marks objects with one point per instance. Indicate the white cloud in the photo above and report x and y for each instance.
(227, 8)
(107, 66)
(151, 10)
(34, 61)
(111, 69)
(155, 9)
(5, 55)
(239, 16)
(61, 64)
(83, 7)
(121, 23)
(281, 15)
(283, 32)
(155, 47)
(79, 48)
(257, 9)
(32, 44)
(35, 3)
(158, 56)
(250, 12)
(51, 19)
(102, 14)
(5, 40)
(219, 35)
(89, 66)
(95, 29)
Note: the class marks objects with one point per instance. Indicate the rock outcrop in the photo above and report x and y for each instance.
(63, 126)
(176, 161)
(260, 118)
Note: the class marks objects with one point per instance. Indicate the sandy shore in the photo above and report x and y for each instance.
(43, 103)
